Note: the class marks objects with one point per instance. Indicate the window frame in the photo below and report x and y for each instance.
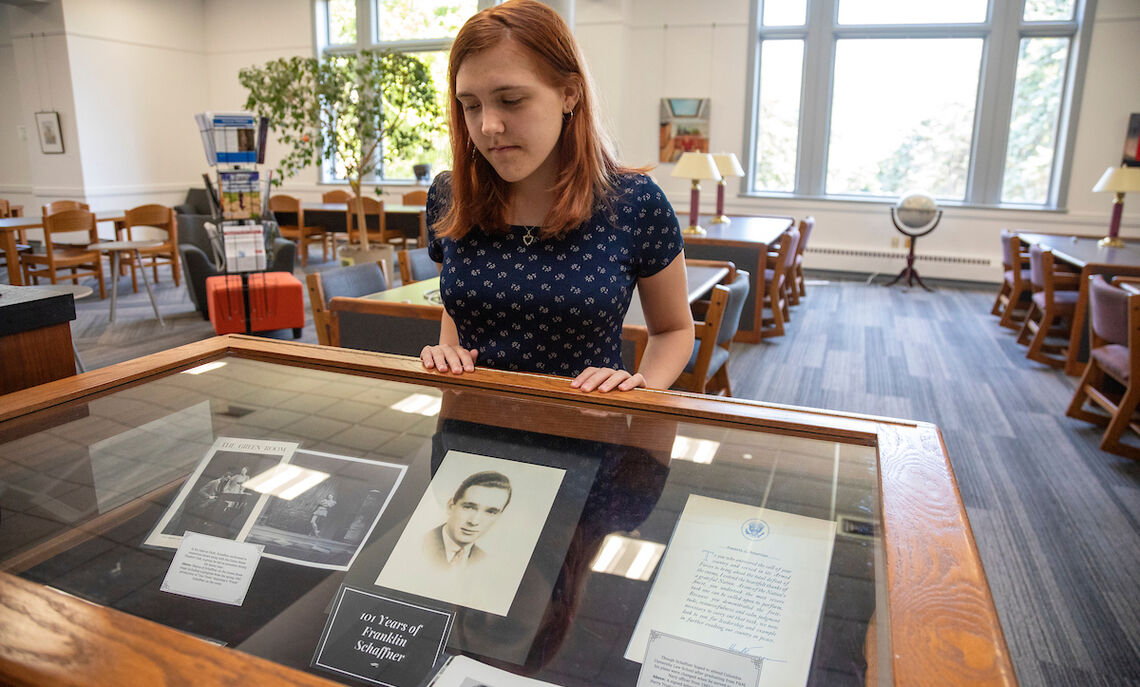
(367, 38)
(1001, 33)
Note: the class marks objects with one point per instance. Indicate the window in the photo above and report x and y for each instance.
(424, 28)
(968, 100)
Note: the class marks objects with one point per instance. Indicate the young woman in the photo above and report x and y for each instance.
(541, 234)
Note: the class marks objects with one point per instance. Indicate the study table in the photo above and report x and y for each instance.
(744, 240)
(90, 464)
(1090, 258)
(700, 279)
(410, 219)
(11, 226)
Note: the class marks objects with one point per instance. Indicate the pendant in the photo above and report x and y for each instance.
(528, 238)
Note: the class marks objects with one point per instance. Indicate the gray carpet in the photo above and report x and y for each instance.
(1056, 519)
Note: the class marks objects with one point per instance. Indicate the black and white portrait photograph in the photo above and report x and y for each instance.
(326, 525)
(51, 140)
(471, 536)
(215, 500)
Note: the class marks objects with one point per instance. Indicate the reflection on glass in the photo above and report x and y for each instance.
(628, 557)
(286, 481)
(911, 11)
(912, 130)
(419, 404)
(777, 135)
(204, 368)
(1033, 122)
(342, 21)
(1048, 10)
(694, 450)
(784, 12)
(399, 20)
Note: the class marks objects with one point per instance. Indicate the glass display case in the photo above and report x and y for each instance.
(100, 473)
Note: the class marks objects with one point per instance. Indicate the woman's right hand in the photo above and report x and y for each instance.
(449, 358)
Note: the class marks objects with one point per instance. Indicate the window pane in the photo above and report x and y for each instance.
(342, 21)
(781, 67)
(1033, 124)
(784, 12)
(1048, 10)
(912, 130)
(911, 11)
(399, 20)
(438, 153)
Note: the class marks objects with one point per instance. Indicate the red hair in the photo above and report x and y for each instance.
(478, 195)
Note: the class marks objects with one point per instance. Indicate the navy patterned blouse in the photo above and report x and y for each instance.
(554, 306)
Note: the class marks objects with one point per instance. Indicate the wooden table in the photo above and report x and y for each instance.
(700, 279)
(930, 618)
(410, 219)
(35, 336)
(1090, 258)
(744, 241)
(11, 226)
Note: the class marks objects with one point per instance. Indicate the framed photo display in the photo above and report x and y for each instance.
(51, 140)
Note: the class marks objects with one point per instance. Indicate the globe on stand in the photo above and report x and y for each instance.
(916, 214)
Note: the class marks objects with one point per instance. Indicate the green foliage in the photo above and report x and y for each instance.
(350, 108)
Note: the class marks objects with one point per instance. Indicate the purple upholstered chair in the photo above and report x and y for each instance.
(1051, 308)
(1015, 287)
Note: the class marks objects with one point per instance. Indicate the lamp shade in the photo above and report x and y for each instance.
(1119, 180)
(696, 166)
(728, 165)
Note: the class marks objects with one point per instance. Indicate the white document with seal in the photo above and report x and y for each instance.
(742, 578)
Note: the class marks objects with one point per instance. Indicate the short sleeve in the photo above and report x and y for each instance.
(438, 202)
(657, 239)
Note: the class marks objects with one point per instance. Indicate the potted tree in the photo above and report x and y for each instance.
(353, 110)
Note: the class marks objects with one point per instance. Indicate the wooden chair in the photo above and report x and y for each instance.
(337, 196)
(22, 245)
(299, 233)
(1051, 308)
(415, 198)
(777, 278)
(707, 370)
(798, 290)
(1016, 287)
(55, 259)
(62, 205)
(376, 221)
(384, 326)
(416, 265)
(162, 218)
(354, 280)
(1114, 364)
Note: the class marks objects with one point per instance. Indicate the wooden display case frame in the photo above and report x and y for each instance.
(943, 626)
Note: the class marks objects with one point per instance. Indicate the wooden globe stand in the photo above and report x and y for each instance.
(909, 272)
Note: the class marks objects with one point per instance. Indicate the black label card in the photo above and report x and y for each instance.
(382, 640)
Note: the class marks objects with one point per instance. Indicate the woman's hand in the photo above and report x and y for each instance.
(449, 358)
(604, 379)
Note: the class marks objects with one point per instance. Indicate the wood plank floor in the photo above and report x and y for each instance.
(1055, 518)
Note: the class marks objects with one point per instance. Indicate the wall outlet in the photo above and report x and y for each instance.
(22, 132)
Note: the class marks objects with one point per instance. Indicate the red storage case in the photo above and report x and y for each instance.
(276, 301)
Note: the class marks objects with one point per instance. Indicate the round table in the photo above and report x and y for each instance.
(116, 248)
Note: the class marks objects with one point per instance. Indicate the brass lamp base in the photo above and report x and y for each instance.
(1111, 242)
(721, 219)
(693, 230)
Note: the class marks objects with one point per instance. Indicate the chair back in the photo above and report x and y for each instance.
(1108, 311)
(733, 308)
(417, 265)
(1008, 248)
(1037, 270)
(5, 208)
(792, 236)
(415, 198)
(289, 205)
(806, 225)
(337, 196)
(351, 281)
(386, 327)
(61, 206)
(157, 216)
(69, 221)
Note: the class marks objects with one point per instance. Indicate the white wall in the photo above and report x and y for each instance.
(15, 174)
(713, 64)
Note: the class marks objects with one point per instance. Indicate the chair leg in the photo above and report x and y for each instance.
(1037, 345)
(721, 382)
(1027, 325)
(1121, 419)
(1005, 290)
(176, 269)
(1093, 378)
(801, 281)
(304, 246)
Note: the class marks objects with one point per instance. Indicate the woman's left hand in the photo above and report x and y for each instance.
(605, 379)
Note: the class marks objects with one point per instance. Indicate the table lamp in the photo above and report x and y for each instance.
(1119, 180)
(728, 166)
(695, 166)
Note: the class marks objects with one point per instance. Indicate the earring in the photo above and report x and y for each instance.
(567, 116)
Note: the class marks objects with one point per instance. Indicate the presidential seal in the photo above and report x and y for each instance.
(755, 529)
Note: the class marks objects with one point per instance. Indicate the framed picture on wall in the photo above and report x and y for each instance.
(51, 140)
(1132, 142)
